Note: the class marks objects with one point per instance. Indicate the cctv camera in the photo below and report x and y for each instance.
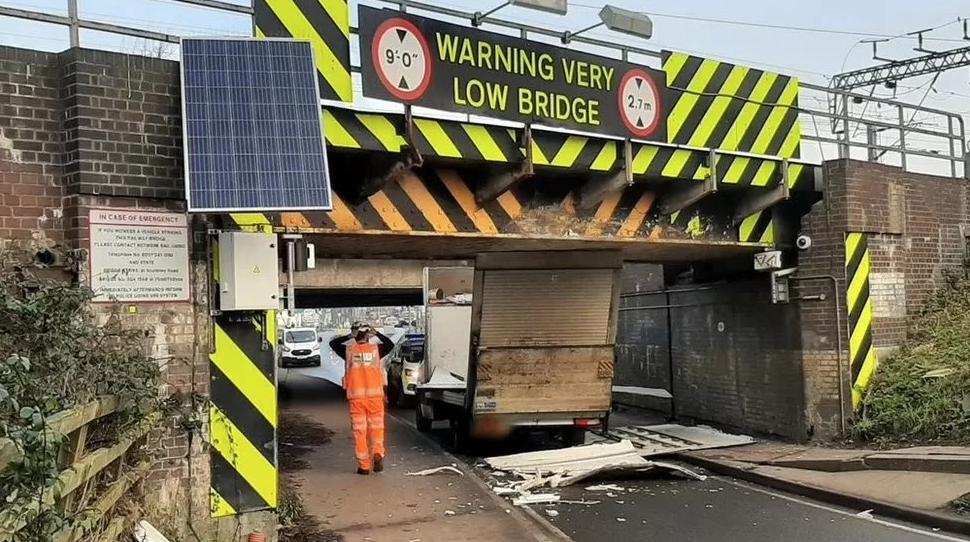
(803, 242)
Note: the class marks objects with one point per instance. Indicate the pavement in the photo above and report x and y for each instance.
(391, 506)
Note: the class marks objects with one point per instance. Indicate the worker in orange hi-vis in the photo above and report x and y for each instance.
(366, 391)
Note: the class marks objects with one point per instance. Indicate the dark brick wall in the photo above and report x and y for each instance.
(31, 192)
(643, 349)
(913, 226)
(737, 358)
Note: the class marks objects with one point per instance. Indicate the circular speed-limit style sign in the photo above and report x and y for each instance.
(402, 59)
(639, 102)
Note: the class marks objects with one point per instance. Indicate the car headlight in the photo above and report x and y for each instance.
(409, 372)
(316, 346)
(286, 348)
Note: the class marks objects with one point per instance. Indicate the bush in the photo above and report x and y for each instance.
(57, 353)
(917, 394)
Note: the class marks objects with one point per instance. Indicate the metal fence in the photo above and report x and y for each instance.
(835, 123)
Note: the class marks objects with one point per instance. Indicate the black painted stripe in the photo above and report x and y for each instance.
(447, 202)
(251, 344)
(703, 103)
(855, 312)
(499, 217)
(687, 72)
(319, 219)
(327, 29)
(272, 27)
(460, 138)
(233, 487)
(655, 168)
(785, 127)
(761, 114)
(506, 143)
(860, 355)
(406, 207)
(591, 150)
(358, 131)
(731, 112)
(760, 227)
(549, 143)
(422, 142)
(241, 412)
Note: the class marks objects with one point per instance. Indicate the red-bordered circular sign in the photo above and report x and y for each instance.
(402, 59)
(639, 102)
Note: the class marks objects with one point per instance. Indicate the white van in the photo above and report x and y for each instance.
(300, 346)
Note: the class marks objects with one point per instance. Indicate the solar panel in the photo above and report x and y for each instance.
(253, 134)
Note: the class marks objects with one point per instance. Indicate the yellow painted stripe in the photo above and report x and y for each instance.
(643, 159)
(769, 235)
(250, 221)
(746, 229)
(459, 190)
(639, 213)
(737, 168)
(606, 158)
(244, 375)
(339, 13)
(436, 136)
(328, 64)
(219, 506)
(538, 157)
(271, 327)
(336, 134)
(381, 128)
(865, 375)
(794, 172)
(510, 204)
(242, 454)
(713, 115)
(766, 171)
(567, 154)
(484, 142)
(748, 111)
(675, 62)
(862, 328)
(771, 126)
(341, 215)
(388, 212)
(857, 281)
(260, 34)
(790, 146)
(687, 100)
(674, 216)
(675, 166)
(426, 203)
(603, 214)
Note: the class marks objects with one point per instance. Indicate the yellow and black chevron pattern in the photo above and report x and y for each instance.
(734, 108)
(446, 139)
(757, 228)
(326, 24)
(242, 411)
(862, 354)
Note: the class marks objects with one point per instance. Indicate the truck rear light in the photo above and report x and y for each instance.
(585, 422)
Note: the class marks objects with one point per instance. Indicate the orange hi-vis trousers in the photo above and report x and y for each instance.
(367, 423)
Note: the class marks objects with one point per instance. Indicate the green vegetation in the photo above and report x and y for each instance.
(57, 353)
(918, 393)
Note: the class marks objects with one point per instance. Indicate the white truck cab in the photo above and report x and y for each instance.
(300, 346)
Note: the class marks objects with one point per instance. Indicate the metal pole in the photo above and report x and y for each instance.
(290, 280)
(902, 137)
(75, 26)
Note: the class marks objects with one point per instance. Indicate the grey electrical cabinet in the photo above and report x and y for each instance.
(248, 271)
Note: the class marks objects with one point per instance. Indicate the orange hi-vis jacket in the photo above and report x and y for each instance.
(365, 375)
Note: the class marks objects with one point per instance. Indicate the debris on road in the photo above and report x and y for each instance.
(535, 498)
(449, 512)
(436, 470)
(552, 513)
(604, 487)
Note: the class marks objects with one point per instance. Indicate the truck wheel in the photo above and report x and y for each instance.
(573, 436)
(423, 424)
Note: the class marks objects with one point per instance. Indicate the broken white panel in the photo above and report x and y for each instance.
(575, 459)
(673, 438)
(537, 498)
(428, 472)
(659, 393)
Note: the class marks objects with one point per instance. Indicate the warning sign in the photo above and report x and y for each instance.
(402, 59)
(445, 66)
(139, 255)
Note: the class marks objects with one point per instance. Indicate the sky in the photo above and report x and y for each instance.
(747, 32)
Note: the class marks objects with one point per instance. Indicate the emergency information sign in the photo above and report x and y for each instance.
(139, 255)
(445, 66)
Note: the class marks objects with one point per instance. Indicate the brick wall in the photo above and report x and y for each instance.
(85, 129)
(913, 227)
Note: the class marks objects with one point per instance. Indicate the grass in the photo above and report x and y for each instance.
(917, 394)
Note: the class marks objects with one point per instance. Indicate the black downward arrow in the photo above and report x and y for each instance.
(401, 33)
(403, 85)
(639, 82)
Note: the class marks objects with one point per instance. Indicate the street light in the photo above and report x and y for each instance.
(619, 20)
(557, 7)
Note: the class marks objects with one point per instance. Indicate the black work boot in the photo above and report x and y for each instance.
(378, 463)
(363, 471)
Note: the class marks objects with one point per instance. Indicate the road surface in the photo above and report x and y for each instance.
(667, 510)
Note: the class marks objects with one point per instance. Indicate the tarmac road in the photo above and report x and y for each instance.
(672, 510)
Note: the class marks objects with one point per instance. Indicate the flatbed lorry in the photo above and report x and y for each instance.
(520, 341)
